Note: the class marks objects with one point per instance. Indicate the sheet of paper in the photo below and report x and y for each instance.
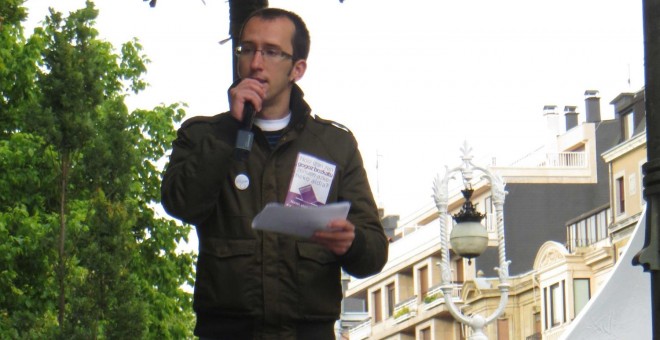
(299, 221)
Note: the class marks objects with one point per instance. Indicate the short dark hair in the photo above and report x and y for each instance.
(300, 40)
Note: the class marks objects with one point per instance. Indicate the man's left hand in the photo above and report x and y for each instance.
(338, 238)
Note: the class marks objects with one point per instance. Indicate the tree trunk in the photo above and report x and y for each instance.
(61, 267)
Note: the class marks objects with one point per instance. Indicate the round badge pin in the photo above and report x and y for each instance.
(242, 182)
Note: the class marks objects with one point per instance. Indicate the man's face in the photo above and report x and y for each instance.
(275, 74)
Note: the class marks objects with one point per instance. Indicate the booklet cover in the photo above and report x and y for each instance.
(310, 183)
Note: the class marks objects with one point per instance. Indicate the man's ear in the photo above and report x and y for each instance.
(298, 70)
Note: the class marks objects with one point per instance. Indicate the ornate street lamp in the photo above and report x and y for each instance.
(469, 237)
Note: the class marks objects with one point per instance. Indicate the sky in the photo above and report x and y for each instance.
(413, 80)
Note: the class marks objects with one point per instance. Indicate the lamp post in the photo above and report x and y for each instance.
(468, 240)
(649, 256)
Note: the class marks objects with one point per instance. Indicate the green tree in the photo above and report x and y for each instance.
(82, 252)
(26, 176)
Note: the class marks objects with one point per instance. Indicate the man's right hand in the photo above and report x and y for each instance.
(247, 90)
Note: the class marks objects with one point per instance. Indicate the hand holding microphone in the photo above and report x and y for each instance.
(251, 93)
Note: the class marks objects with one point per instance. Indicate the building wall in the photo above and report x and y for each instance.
(535, 219)
(629, 167)
(537, 212)
(534, 214)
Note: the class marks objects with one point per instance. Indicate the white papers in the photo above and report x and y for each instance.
(299, 221)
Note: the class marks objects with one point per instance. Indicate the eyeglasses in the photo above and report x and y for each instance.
(270, 54)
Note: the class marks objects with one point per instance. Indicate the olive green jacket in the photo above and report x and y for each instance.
(269, 277)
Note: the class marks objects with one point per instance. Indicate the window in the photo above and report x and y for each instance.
(378, 306)
(460, 273)
(628, 125)
(642, 199)
(490, 218)
(546, 306)
(461, 333)
(592, 236)
(581, 294)
(581, 233)
(425, 333)
(502, 329)
(423, 281)
(556, 297)
(620, 196)
(588, 230)
(537, 323)
(602, 221)
(572, 236)
(390, 299)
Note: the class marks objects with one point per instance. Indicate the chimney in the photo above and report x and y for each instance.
(571, 117)
(390, 223)
(552, 119)
(592, 105)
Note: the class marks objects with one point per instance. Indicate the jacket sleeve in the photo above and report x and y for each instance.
(192, 179)
(368, 253)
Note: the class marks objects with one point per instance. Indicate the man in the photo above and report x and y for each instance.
(254, 284)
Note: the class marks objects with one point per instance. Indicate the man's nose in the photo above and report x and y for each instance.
(257, 59)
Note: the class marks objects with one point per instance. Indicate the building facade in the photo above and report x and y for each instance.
(562, 237)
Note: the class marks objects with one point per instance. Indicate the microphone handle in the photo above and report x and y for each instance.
(248, 116)
(245, 137)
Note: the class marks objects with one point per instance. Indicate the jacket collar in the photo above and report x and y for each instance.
(300, 110)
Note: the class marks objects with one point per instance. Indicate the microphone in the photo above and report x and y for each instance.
(245, 137)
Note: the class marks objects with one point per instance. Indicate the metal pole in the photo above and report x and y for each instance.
(238, 12)
(649, 256)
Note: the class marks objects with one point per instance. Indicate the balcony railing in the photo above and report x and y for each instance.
(408, 309)
(539, 159)
(435, 296)
(405, 309)
(360, 331)
(535, 336)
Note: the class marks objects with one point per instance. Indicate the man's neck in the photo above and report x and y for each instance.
(277, 109)
(273, 113)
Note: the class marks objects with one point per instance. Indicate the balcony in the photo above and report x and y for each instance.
(535, 336)
(405, 310)
(360, 331)
(435, 296)
(540, 159)
(572, 160)
(407, 313)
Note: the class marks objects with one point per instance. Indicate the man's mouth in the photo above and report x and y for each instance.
(260, 80)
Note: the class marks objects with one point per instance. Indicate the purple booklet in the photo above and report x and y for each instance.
(310, 183)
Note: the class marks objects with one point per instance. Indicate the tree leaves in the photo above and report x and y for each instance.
(74, 158)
